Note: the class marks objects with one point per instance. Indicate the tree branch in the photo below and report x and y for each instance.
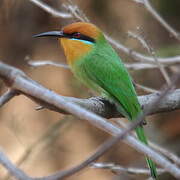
(137, 56)
(106, 109)
(149, 7)
(50, 10)
(98, 153)
(119, 169)
(8, 95)
(103, 107)
(109, 143)
(19, 174)
(131, 66)
(17, 80)
(171, 156)
(146, 44)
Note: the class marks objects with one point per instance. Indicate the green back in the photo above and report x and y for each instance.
(103, 70)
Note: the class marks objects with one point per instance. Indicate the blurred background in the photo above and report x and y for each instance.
(43, 142)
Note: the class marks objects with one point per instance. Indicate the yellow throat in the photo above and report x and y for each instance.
(74, 49)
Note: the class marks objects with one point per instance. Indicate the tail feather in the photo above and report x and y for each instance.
(132, 112)
(152, 168)
(141, 136)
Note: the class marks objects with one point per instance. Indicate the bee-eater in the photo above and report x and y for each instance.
(95, 63)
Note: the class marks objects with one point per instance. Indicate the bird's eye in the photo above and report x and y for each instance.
(77, 35)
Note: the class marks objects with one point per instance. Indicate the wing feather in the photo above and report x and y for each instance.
(112, 77)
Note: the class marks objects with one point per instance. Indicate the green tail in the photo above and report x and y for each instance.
(141, 136)
(131, 116)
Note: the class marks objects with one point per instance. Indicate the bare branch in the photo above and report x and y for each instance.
(170, 155)
(43, 142)
(66, 173)
(135, 66)
(160, 19)
(76, 11)
(140, 66)
(137, 56)
(18, 80)
(50, 10)
(131, 66)
(8, 95)
(53, 131)
(105, 109)
(16, 172)
(151, 51)
(139, 1)
(101, 150)
(174, 158)
(40, 63)
(145, 88)
(109, 143)
(119, 169)
(140, 57)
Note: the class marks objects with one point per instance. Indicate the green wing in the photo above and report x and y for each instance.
(107, 74)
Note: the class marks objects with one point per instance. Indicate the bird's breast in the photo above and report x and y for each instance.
(74, 49)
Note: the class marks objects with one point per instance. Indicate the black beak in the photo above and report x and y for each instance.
(58, 34)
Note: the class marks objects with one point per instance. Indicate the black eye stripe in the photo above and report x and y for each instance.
(80, 36)
(86, 38)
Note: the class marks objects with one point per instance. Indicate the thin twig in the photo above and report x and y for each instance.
(51, 133)
(171, 30)
(40, 63)
(141, 66)
(50, 10)
(27, 86)
(99, 152)
(109, 143)
(131, 66)
(7, 96)
(170, 155)
(103, 107)
(151, 51)
(16, 172)
(119, 169)
(75, 11)
(173, 157)
(145, 88)
(140, 57)
(137, 56)
(74, 109)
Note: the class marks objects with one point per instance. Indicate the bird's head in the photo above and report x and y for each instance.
(77, 39)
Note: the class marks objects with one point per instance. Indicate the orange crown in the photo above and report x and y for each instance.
(87, 29)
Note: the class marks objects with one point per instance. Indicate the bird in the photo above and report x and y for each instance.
(97, 65)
